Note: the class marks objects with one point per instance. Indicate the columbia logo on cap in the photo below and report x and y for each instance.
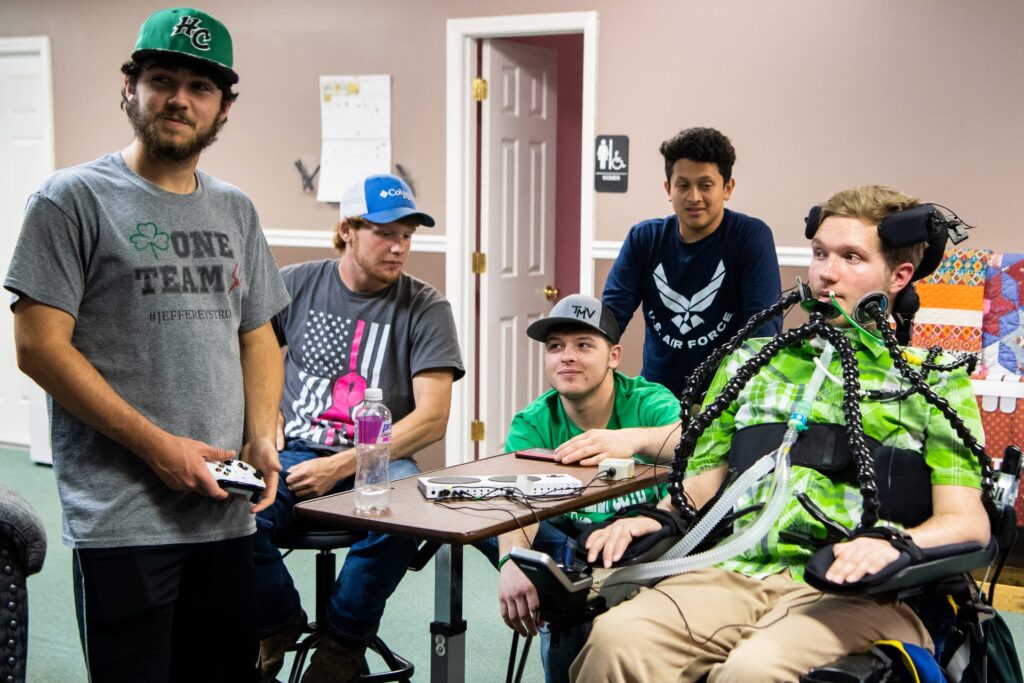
(396, 192)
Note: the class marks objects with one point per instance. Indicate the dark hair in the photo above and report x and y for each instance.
(705, 145)
(132, 69)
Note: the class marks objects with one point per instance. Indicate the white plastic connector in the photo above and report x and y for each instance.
(617, 468)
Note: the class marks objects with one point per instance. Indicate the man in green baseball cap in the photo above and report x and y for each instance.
(143, 294)
(191, 32)
(187, 41)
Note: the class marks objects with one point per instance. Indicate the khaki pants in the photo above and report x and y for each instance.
(735, 628)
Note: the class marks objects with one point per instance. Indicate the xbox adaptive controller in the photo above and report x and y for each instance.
(235, 476)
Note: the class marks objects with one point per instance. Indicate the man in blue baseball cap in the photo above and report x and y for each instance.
(354, 322)
(144, 290)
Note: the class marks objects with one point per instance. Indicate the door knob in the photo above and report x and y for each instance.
(551, 292)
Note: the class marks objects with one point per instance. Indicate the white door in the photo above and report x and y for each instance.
(517, 205)
(26, 158)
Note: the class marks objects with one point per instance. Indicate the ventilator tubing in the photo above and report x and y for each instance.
(676, 560)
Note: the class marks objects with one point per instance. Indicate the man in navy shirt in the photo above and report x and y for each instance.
(700, 273)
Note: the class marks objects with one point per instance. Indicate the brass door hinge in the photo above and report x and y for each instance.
(479, 262)
(479, 89)
(476, 430)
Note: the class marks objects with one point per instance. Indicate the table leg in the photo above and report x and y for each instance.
(448, 630)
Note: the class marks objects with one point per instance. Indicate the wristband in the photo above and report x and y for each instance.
(503, 560)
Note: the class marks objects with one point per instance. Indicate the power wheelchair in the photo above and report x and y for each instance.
(936, 580)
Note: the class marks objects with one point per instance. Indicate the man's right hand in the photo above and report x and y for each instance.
(181, 464)
(518, 599)
(317, 476)
(611, 542)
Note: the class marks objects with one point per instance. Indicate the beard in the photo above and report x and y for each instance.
(384, 276)
(168, 150)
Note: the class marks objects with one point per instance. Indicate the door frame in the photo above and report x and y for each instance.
(39, 432)
(460, 196)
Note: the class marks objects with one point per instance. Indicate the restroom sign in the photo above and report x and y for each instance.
(611, 163)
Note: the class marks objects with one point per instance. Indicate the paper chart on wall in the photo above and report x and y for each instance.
(355, 117)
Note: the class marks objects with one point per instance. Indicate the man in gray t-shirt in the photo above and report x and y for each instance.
(144, 290)
(354, 322)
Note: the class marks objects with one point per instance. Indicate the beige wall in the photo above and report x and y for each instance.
(923, 94)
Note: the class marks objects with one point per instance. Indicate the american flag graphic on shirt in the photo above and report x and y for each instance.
(340, 358)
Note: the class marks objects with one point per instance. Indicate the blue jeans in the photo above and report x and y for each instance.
(372, 569)
(555, 659)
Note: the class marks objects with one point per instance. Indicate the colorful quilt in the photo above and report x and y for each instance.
(1002, 333)
(952, 302)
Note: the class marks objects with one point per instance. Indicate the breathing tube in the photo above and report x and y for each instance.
(677, 560)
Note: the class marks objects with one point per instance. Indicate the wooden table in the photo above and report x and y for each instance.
(410, 514)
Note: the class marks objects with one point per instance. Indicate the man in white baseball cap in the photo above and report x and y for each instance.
(354, 322)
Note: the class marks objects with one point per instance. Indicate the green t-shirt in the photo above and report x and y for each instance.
(638, 403)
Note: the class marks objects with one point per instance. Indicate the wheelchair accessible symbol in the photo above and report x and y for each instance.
(611, 168)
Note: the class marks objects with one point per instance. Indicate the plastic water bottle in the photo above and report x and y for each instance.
(373, 452)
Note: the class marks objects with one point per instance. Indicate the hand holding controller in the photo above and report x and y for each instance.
(235, 476)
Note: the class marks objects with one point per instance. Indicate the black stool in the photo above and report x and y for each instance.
(325, 542)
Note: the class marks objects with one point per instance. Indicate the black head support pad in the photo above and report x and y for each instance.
(923, 223)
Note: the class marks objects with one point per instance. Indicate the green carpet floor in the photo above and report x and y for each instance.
(55, 654)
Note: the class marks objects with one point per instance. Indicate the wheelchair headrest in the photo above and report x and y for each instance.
(924, 223)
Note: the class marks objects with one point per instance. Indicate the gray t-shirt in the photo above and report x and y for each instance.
(160, 286)
(340, 342)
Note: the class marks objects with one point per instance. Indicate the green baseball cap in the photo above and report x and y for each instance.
(189, 32)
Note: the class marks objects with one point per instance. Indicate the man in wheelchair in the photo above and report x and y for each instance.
(838, 406)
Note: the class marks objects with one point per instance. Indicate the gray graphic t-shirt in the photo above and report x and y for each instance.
(340, 342)
(160, 286)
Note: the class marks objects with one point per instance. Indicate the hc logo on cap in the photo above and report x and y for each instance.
(189, 26)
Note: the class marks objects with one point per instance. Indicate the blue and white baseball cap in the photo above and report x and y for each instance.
(381, 199)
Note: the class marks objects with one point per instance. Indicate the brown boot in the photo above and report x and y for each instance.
(334, 662)
(272, 649)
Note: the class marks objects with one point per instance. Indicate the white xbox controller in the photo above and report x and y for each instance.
(235, 476)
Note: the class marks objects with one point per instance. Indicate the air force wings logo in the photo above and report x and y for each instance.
(687, 310)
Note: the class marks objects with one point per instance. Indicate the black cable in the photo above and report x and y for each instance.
(854, 426)
(703, 372)
(951, 416)
(522, 660)
(512, 656)
(714, 409)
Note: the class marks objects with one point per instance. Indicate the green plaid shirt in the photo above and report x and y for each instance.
(769, 397)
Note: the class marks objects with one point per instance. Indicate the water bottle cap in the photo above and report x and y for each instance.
(374, 394)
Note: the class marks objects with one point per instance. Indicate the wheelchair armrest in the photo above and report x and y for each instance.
(903, 576)
(933, 570)
(563, 601)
